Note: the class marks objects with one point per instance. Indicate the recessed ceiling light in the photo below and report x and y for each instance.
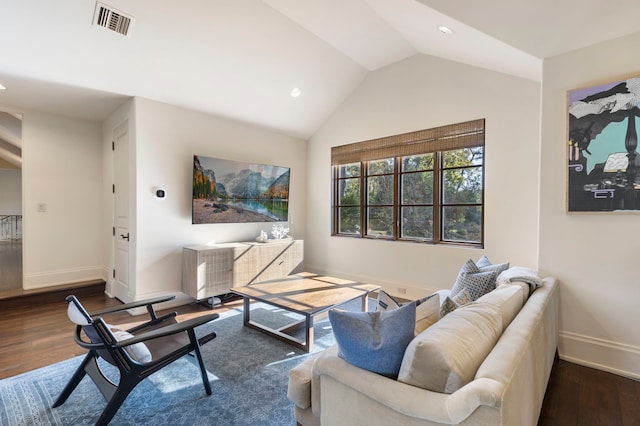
(445, 30)
(295, 92)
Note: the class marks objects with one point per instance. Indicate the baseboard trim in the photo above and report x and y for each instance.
(412, 291)
(601, 354)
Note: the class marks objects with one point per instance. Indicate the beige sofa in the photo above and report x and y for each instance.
(506, 386)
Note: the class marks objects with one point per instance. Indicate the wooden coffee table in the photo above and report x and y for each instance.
(306, 294)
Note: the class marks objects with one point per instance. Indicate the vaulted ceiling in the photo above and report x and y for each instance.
(242, 58)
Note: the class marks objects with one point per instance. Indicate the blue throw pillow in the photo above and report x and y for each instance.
(485, 265)
(374, 341)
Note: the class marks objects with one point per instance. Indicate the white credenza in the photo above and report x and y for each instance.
(210, 270)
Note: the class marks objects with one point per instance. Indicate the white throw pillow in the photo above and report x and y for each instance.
(386, 302)
(138, 351)
(427, 312)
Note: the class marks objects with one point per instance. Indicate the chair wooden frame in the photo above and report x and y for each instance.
(180, 340)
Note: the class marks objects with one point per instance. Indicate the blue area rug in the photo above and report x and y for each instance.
(248, 371)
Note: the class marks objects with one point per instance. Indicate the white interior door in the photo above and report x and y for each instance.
(121, 280)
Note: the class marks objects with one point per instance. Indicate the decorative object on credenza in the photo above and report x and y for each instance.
(602, 147)
(226, 191)
(263, 237)
(279, 232)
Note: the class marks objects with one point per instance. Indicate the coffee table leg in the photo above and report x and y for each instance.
(365, 302)
(281, 334)
(247, 310)
(309, 334)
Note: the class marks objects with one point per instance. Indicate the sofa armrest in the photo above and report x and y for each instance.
(405, 399)
(299, 386)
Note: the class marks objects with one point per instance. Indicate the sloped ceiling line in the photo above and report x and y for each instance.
(241, 58)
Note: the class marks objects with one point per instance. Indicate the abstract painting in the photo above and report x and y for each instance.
(602, 147)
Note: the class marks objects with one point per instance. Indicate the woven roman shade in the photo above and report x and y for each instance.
(453, 136)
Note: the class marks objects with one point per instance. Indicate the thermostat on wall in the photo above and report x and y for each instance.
(159, 193)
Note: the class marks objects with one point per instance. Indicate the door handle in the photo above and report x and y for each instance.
(125, 237)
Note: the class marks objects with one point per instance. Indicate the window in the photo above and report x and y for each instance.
(425, 186)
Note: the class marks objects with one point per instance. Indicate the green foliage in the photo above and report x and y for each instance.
(417, 188)
(462, 184)
(349, 195)
(415, 163)
(461, 223)
(380, 193)
(378, 167)
(349, 170)
(380, 221)
(349, 220)
(417, 222)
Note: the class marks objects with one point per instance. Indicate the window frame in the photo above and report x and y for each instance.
(469, 134)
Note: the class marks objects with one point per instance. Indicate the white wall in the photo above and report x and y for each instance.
(595, 255)
(166, 138)
(420, 93)
(62, 168)
(10, 191)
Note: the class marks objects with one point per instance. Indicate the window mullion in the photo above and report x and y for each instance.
(437, 197)
(364, 172)
(336, 201)
(396, 199)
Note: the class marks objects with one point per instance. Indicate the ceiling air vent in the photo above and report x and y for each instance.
(107, 17)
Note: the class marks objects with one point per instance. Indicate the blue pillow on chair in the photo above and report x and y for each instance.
(374, 341)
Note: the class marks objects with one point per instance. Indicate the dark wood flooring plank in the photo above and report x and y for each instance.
(599, 402)
(629, 394)
(10, 265)
(561, 403)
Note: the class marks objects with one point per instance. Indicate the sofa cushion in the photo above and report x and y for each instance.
(509, 299)
(375, 341)
(446, 356)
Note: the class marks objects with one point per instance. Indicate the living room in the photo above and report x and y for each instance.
(68, 165)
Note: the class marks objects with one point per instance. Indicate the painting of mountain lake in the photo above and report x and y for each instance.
(226, 191)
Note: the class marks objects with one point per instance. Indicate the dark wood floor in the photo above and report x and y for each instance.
(41, 335)
(583, 396)
(10, 265)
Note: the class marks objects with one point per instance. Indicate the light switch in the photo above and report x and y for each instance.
(42, 207)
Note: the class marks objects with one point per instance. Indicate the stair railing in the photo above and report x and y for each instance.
(10, 227)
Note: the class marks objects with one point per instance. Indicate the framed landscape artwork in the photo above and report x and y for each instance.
(603, 161)
(226, 191)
